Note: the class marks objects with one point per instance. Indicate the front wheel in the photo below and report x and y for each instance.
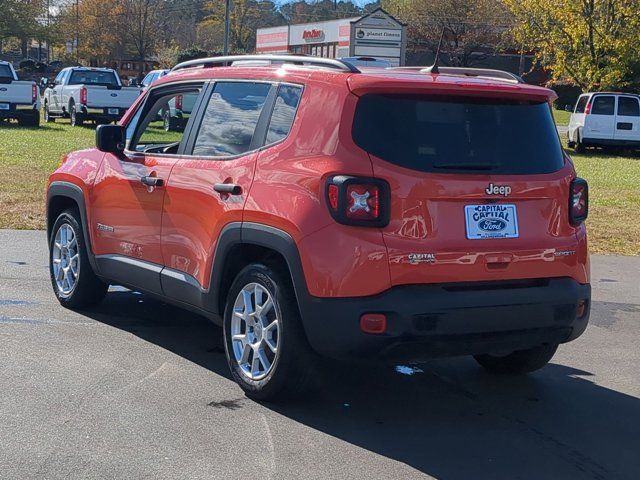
(266, 348)
(47, 115)
(518, 362)
(74, 282)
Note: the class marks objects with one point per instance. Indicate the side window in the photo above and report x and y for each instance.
(603, 105)
(58, 79)
(284, 111)
(628, 107)
(230, 119)
(159, 126)
(581, 105)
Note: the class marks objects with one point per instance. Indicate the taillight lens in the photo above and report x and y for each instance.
(179, 102)
(358, 201)
(578, 201)
(34, 93)
(83, 95)
(587, 108)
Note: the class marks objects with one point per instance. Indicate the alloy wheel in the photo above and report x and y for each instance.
(255, 331)
(65, 259)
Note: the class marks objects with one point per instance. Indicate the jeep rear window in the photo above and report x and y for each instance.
(455, 134)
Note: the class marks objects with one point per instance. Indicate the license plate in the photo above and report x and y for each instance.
(113, 111)
(491, 221)
(4, 106)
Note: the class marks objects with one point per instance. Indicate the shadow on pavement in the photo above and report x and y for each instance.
(451, 420)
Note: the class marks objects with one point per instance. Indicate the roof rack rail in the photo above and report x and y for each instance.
(272, 59)
(468, 72)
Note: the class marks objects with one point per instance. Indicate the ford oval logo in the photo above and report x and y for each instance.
(114, 94)
(492, 225)
(3, 89)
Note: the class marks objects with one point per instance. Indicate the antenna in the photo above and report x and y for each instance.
(434, 68)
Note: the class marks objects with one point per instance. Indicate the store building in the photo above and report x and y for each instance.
(377, 35)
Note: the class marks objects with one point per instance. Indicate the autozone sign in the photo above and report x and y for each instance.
(313, 35)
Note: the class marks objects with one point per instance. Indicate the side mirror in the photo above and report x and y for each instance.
(110, 138)
(44, 82)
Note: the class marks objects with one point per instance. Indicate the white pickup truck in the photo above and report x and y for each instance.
(18, 100)
(83, 93)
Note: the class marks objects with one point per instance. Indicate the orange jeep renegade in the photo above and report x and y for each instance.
(314, 209)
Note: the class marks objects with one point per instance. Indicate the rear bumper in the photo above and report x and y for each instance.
(102, 113)
(19, 111)
(601, 142)
(445, 320)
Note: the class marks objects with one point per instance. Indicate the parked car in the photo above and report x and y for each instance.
(314, 210)
(367, 62)
(19, 100)
(152, 76)
(82, 94)
(605, 119)
(177, 112)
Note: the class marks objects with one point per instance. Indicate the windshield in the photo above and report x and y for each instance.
(5, 72)
(452, 134)
(91, 77)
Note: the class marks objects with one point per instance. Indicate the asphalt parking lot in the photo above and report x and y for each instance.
(139, 389)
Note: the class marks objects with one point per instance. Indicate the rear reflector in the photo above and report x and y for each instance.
(581, 309)
(375, 323)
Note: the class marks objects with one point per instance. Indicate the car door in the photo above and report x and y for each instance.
(208, 188)
(627, 119)
(600, 122)
(576, 120)
(129, 191)
(56, 91)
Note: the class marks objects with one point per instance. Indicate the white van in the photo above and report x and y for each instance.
(605, 120)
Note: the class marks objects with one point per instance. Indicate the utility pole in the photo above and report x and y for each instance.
(48, 33)
(227, 22)
(77, 31)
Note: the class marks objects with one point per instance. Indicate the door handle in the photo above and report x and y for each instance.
(229, 188)
(152, 181)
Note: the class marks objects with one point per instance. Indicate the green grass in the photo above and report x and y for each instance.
(29, 155)
(561, 117)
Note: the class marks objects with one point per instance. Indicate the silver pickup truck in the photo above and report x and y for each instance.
(19, 100)
(83, 93)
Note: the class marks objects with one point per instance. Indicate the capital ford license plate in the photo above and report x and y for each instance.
(4, 106)
(491, 221)
(113, 111)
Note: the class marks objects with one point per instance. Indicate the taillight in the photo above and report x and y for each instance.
(578, 201)
(178, 102)
(587, 108)
(34, 93)
(83, 95)
(358, 201)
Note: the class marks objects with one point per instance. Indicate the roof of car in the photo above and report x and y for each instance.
(369, 79)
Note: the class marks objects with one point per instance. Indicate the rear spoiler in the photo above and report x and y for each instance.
(489, 73)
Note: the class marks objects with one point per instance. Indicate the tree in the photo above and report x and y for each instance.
(19, 19)
(593, 43)
(472, 29)
(301, 11)
(246, 17)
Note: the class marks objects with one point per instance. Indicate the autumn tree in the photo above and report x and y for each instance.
(472, 29)
(593, 43)
(246, 17)
(302, 11)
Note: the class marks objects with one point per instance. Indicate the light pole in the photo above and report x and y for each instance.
(227, 20)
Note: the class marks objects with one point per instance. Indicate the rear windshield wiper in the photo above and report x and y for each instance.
(466, 166)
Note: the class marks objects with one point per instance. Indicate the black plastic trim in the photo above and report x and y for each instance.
(131, 271)
(74, 192)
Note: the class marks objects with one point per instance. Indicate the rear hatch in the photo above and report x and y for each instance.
(479, 186)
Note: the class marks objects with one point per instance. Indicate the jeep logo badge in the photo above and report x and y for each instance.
(503, 190)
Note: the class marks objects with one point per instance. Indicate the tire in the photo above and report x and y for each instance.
(518, 362)
(169, 123)
(47, 115)
(292, 365)
(579, 146)
(77, 119)
(67, 248)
